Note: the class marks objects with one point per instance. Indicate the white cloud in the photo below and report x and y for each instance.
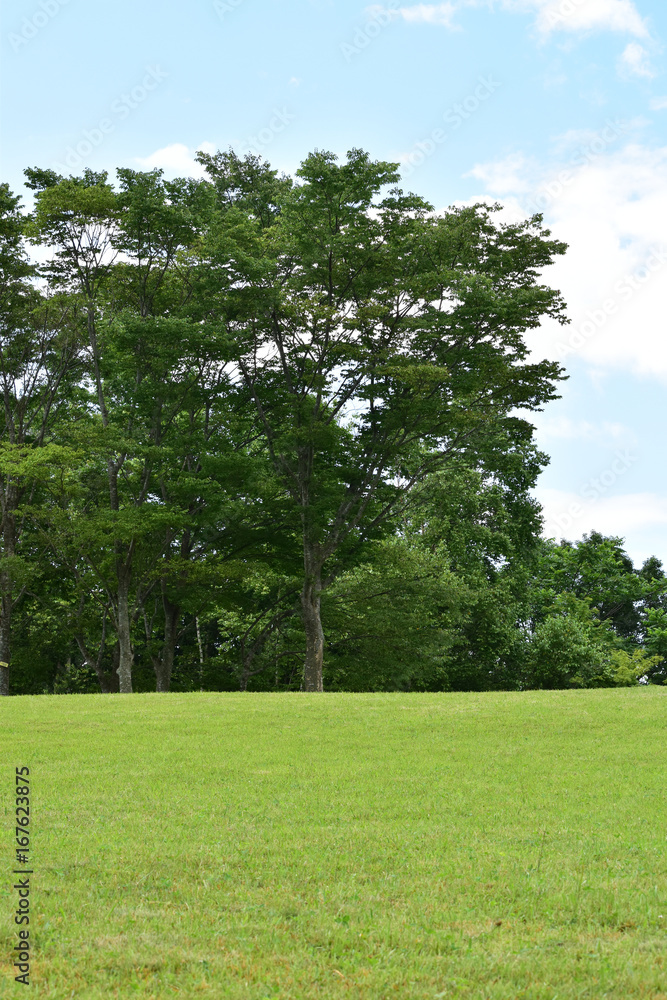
(176, 159)
(610, 208)
(564, 428)
(551, 15)
(568, 515)
(425, 13)
(659, 104)
(585, 15)
(634, 61)
(504, 176)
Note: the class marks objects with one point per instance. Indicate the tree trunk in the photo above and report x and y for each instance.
(5, 627)
(108, 681)
(312, 623)
(165, 664)
(201, 655)
(246, 671)
(6, 589)
(126, 660)
(115, 660)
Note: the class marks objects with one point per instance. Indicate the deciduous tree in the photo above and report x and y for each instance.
(377, 341)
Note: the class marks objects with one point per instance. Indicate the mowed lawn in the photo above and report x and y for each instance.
(486, 846)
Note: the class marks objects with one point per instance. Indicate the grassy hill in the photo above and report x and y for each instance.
(495, 846)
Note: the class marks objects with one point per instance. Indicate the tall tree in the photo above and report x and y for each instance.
(77, 218)
(118, 254)
(377, 341)
(38, 351)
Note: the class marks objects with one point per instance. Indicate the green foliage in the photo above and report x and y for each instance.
(392, 620)
(632, 669)
(244, 408)
(570, 648)
(656, 642)
(598, 569)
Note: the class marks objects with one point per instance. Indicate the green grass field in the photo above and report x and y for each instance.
(494, 846)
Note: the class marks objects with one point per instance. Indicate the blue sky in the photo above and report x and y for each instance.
(551, 105)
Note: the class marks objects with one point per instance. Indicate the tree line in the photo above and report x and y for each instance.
(271, 433)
